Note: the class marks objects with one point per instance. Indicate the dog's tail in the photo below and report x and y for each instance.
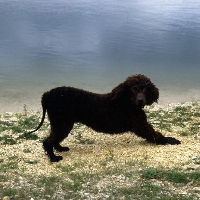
(44, 102)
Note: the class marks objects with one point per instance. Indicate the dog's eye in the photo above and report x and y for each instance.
(144, 89)
(134, 90)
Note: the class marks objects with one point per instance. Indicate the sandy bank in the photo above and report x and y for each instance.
(16, 103)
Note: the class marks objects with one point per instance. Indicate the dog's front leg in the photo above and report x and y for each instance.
(165, 140)
(146, 131)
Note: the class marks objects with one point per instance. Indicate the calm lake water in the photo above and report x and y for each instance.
(95, 45)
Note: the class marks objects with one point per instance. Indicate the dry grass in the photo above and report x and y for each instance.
(100, 166)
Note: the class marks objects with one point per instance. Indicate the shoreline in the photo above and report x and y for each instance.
(153, 107)
(13, 105)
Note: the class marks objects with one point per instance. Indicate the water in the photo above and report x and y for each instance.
(95, 45)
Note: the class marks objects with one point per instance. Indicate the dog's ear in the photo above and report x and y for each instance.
(119, 92)
(154, 94)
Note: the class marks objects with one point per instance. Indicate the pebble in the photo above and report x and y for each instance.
(6, 198)
(166, 183)
(183, 192)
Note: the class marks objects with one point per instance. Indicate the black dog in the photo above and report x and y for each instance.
(115, 112)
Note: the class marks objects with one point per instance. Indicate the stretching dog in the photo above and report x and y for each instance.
(116, 112)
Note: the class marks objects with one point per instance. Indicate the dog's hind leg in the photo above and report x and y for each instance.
(60, 148)
(58, 134)
(48, 147)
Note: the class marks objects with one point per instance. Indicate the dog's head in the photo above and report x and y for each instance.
(137, 89)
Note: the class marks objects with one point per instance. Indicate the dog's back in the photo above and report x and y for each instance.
(97, 111)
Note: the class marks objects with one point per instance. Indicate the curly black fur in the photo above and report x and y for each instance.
(115, 112)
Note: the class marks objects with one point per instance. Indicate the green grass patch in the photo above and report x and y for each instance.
(195, 128)
(196, 160)
(7, 139)
(19, 122)
(18, 125)
(183, 133)
(9, 192)
(186, 117)
(69, 168)
(4, 167)
(172, 175)
(3, 178)
(78, 131)
(121, 183)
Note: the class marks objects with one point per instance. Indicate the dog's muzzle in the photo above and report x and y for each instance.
(140, 100)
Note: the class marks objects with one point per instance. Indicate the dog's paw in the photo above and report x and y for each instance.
(65, 148)
(61, 149)
(167, 140)
(171, 140)
(56, 158)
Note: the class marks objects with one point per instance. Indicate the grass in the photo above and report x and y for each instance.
(114, 179)
(172, 175)
(186, 117)
(84, 185)
(17, 125)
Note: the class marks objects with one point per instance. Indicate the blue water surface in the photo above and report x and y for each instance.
(95, 45)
